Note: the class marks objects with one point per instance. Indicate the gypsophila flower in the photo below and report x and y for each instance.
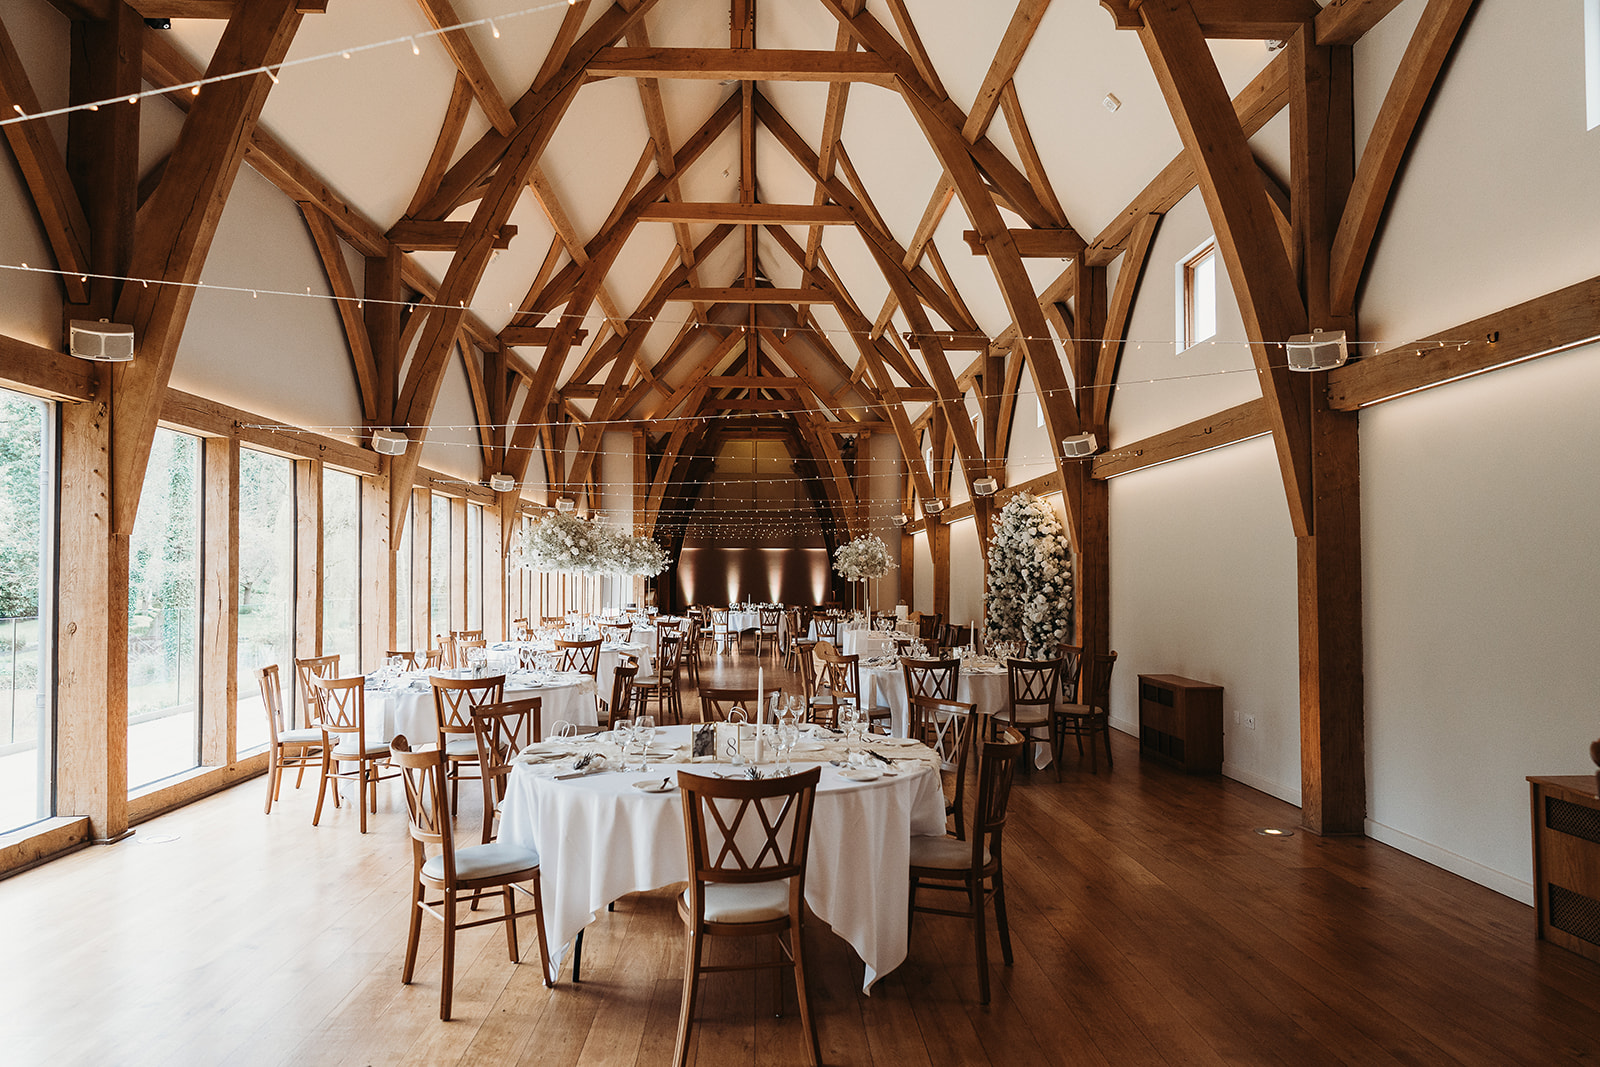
(567, 542)
(864, 557)
(1029, 599)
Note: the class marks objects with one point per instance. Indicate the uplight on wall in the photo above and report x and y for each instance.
(1079, 446)
(389, 442)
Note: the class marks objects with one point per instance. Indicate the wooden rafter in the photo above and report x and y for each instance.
(346, 300)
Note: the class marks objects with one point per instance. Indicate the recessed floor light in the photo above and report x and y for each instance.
(1273, 831)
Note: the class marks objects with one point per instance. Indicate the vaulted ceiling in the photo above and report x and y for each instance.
(688, 218)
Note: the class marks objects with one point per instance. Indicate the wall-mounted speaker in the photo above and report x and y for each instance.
(502, 483)
(1317, 350)
(389, 443)
(102, 341)
(1079, 446)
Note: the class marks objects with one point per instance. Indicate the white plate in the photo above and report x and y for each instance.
(862, 774)
(808, 746)
(654, 786)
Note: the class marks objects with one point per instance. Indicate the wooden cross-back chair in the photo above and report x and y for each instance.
(304, 671)
(342, 715)
(1088, 714)
(716, 702)
(580, 656)
(1033, 686)
(840, 676)
(689, 651)
(620, 632)
(748, 842)
(662, 686)
(433, 659)
(297, 748)
(770, 622)
(453, 701)
(937, 678)
(447, 650)
(946, 726)
(721, 634)
(827, 629)
(973, 868)
(408, 658)
(500, 730)
(793, 631)
(454, 872)
(620, 704)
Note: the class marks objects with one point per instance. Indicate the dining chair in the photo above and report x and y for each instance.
(453, 701)
(453, 872)
(937, 678)
(840, 675)
(662, 685)
(1090, 713)
(299, 749)
(582, 657)
(928, 624)
(1032, 686)
(619, 632)
(410, 658)
(500, 730)
(342, 714)
(556, 622)
(715, 703)
(955, 637)
(618, 707)
(689, 651)
(827, 629)
(748, 841)
(806, 665)
(946, 726)
(433, 659)
(792, 632)
(770, 621)
(973, 868)
(720, 633)
(447, 647)
(304, 670)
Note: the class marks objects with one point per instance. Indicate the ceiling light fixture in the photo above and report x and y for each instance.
(1079, 446)
(389, 442)
(985, 486)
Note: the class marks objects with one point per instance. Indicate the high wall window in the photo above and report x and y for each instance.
(26, 478)
(439, 568)
(341, 568)
(164, 614)
(402, 586)
(266, 584)
(1591, 60)
(1197, 295)
(474, 567)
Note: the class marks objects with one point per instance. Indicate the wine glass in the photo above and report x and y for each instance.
(788, 737)
(644, 731)
(622, 731)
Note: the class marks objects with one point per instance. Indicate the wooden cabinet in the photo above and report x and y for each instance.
(1566, 861)
(1180, 721)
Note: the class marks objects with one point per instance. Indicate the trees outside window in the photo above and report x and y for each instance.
(26, 762)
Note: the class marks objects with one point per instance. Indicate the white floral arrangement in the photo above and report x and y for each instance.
(562, 541)
(1029, 599)
(862, 558)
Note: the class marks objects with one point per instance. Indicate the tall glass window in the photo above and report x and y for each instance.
(266, 584)
(164, 614)
(474, 567)
(1197, 309)
(341, 568)
(25, 507)
(402, 586)
(439, 567)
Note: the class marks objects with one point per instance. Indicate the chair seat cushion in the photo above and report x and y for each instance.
(1031, 715)
(753, 903)
(943, 852)
(348, 749)
(300, 737)
(1079, 711)
(461, 746)
(484, 861)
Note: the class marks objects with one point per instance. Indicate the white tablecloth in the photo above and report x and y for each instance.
(867, 643)
(642, 648)
(599, 838)
(886, 686)
(410, 711)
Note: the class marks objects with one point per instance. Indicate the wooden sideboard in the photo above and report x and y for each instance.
(1180, 721)
(1566, 861)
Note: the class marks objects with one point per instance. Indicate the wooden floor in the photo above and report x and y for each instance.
(1151, 925)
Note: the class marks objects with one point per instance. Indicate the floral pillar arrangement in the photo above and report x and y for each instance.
(1029, 599)
(565, 542)
(863, 559)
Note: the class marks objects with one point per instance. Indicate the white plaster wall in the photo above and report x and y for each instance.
(1203, 585)
(923, 579)
(966, 573)
(452, 447)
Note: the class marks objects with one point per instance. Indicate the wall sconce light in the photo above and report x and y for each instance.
(985, 486)
(1079, 446)
(389, 442)
(103, 341)
(1317, 350)
(502, 483)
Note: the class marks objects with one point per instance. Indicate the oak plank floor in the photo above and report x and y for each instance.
(1150, 926)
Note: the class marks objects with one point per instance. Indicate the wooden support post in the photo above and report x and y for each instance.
(377, 597)
(421, 567)
(219, 603)
(308, 558)
(458, 563)
(495, 626)
(91, 629)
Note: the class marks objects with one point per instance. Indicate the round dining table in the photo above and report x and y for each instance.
(408, 709)
(600, 837)
(981, 683)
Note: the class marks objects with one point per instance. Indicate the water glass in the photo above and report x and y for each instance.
(644, 728)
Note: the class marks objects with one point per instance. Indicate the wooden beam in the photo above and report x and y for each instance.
(1389, 143)
(183, 215)
(45, 372)
(1347, 21)
(536, 336)
(950, 341)
(741, 64)
(1033, 244)
(1242, 422)
(749, 296)
(345, 300)
(441, 14)
(747, 214)
(1247, 235)
(1133, 264)
(44, 171)
(422, 235)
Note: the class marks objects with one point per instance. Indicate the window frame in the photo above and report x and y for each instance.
(1186, 271)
